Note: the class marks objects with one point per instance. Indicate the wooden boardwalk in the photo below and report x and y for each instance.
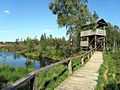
(84, 78)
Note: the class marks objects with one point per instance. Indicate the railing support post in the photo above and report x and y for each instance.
(33, 83)
(88, 56)
(70, 67)
(91, 53)
(35, 86)
(82, 60)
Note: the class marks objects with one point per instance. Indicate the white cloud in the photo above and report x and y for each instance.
(3, 31)
(46, 30)
(7, 12)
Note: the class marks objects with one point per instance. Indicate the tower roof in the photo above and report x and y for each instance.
(100, 22)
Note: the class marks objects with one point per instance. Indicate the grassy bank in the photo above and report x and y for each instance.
(109, 72)
(9, 74)
(46, 81)
(49, 52)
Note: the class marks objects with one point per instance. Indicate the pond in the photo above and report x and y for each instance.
(16, 60)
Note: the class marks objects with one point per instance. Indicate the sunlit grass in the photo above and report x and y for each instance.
(47, 80)
(50, 79)
(9, 74)
(107, 72)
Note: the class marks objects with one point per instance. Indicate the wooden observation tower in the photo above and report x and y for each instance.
(94, 38)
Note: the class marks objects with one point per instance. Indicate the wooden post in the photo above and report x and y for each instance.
(82, 60)
(91, 53)
(33, 85)
(81, 41)
(104, 44)
(81, 38)
(87, 38)
(36, 83)
(95, 41)
(103, 27)
(88, 56)
(88, 42)
(70, 67)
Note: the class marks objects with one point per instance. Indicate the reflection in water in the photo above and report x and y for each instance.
(3, 57)
(17, 60)
(29, 63)
(45, 61)
(16, 56)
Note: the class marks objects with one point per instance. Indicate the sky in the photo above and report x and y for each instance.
(23, 18)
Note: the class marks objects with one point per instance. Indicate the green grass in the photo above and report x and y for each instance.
(9, 74)
(107, 73)
(54, 76)
(101, 79)
(45, 81)
(50, 79)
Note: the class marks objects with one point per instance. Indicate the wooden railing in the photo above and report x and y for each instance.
(31, 77)
(3, 46)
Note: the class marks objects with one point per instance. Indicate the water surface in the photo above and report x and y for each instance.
(16, 60)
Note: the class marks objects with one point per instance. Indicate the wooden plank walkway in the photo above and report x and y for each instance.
(84, 78)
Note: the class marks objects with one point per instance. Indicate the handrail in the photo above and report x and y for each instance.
(32, 76)
(3, 46)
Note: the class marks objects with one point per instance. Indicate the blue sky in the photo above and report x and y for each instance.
(23, 18)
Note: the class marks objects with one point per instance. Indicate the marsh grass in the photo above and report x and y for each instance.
(107, 73)
(9, 74)
(48, 80)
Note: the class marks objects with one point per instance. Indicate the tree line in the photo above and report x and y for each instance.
(72, 14)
